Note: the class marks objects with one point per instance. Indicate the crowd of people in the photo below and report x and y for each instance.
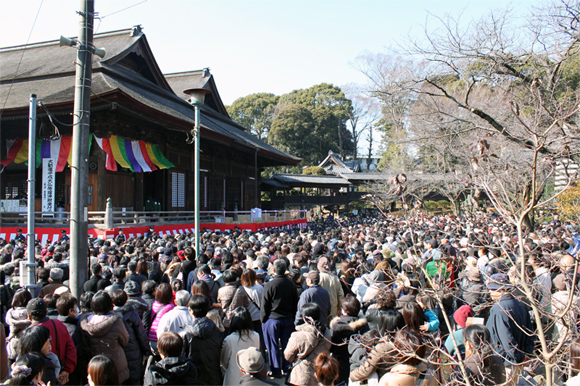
(420, 300)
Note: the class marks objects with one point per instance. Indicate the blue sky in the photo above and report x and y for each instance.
(250, 46)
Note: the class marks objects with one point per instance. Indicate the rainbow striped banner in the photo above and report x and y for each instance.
(135, 155)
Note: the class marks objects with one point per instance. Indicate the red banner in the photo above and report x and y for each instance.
(52, 235)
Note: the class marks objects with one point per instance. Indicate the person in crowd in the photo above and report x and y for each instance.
(149, 289)
(482, 366)
(242, 336)
(381, 356)
(119, 282)
(163, 304)
(510, 326)
(415, 317)
(251, 364)
(460, 316)
(97, 281)
(343, 327)
(102, 371)
(202, 341)
(277, 315)
(179, 317)
(133, 291)
(231, 296)
(132, 274)
(56, 275)
(330, 282)
(67, 313)
(385, 300)
(17, 320)
(409, 370)
(37, 339)
(215, 311)
(310, 339)
(138, 344)
(3, 354)
(314, 294)
(429, 307)
(107, 334)
(326, 369)
(203, 272)
(50, 301)
(28, 370)
(254, 292)
(173, 368)
(62, 344)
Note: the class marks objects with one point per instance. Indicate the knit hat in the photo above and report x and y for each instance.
(250, 360)
(36, 308)
(132, 288)
(462, 314)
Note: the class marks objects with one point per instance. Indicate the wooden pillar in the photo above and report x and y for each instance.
(101, 181)
(138, 206)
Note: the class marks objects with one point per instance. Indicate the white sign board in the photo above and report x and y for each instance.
(13, 206)
(48, 184)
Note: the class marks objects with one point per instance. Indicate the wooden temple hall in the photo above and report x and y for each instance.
(141, 153)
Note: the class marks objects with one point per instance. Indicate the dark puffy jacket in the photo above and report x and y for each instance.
(202, 343)
(84, 353)
(139, 305)
(149, 299)
(170, 371)
(343, 327)
(138, 343)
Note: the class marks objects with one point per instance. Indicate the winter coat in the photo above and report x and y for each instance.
(80, 341)
(108, 336)
(249, 380)
(303, 347)
(406, 375)
(477, 374)
(380, 359)
(230, 297)
(17, 320)
(138, 343)
(170, 371)
(511, 329)
(314, 294)
(432, 320)
(157, 312)
(343, 327)
(149, 300)
(139, 306)
(95, 283)
(331, 283)
(202, 343)
(62, 343)
(228, 360)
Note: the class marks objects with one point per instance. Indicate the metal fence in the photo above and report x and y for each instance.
(99, 219)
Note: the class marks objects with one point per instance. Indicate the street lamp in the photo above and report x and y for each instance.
(197, 98)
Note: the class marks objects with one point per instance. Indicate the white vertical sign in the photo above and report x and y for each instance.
(48, 182)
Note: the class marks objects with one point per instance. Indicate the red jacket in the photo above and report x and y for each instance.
(62, 343)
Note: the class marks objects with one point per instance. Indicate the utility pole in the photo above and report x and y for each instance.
(31, 233)
(80, 148)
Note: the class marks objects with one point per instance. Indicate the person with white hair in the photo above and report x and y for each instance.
(56, 275)
(178, 317)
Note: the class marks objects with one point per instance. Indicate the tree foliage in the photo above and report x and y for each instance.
(255, 112)
(314, 170)
(291, 130)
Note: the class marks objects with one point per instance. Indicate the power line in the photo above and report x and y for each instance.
(21, 56)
